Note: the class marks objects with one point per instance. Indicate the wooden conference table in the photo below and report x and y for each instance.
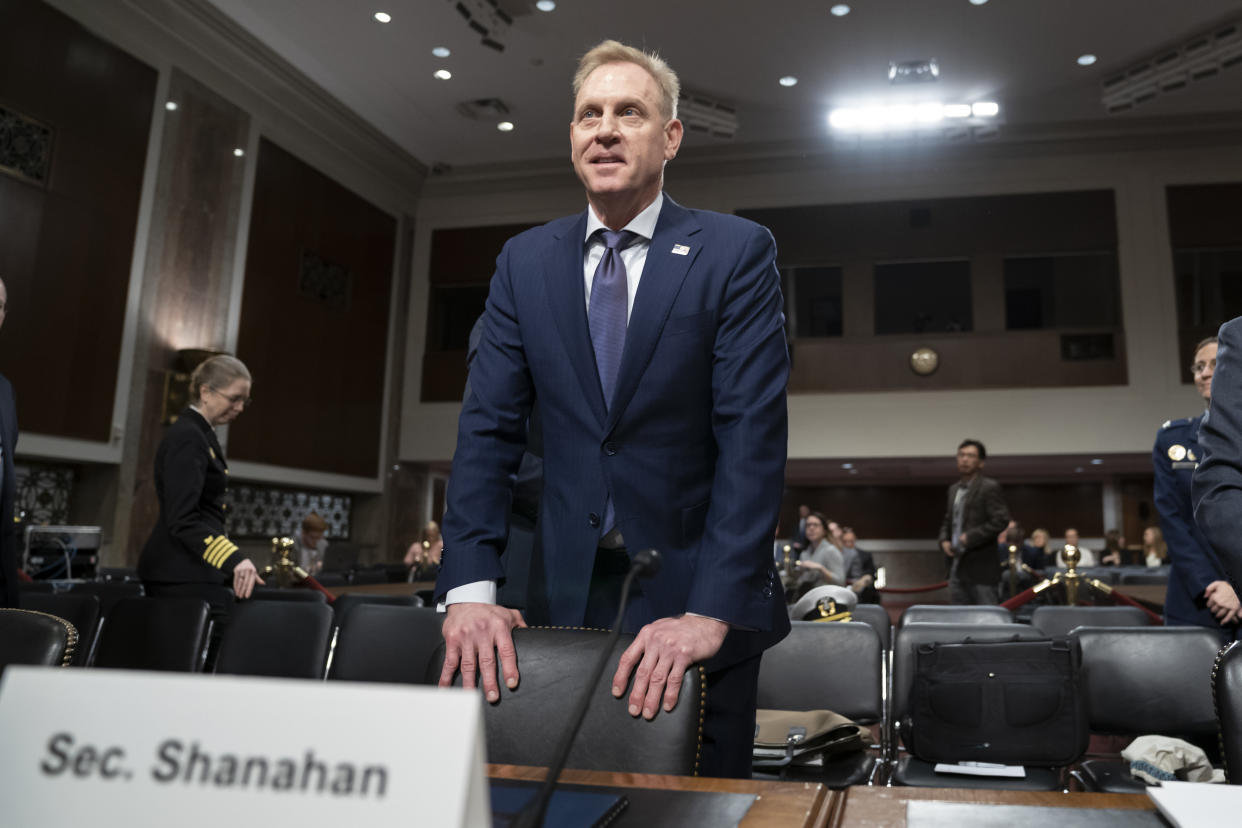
(811, 805)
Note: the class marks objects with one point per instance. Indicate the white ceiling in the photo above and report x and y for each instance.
(1021, 53)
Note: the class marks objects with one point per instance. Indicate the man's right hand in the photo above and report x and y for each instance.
(474, 634)
(947, 548)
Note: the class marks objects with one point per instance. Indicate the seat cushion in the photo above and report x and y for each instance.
(916, 773)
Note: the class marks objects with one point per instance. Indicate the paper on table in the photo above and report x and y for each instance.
(1187, 804)
(982, 769)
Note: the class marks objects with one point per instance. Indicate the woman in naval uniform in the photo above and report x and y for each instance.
(188, 553)
(1194, 567)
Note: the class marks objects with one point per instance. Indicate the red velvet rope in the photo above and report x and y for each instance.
(900, 590)
(311, 583)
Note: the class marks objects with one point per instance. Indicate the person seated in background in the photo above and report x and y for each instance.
(859, 568)
(800, 538)
(1155, 550)
(821, 563)
(1085, 556)
(1035, 551)
(836, 535)
(1114, 548)
(310, 544)
(423, 556)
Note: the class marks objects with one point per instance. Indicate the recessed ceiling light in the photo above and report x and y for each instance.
(505, 126)
(847, 465)
(443, 74)
(546, 5)
(789, 80)
(984, 109)
(239, 152)
(977, 2)
(853, 471)
(1086, 60)
(840, 10)
(383, 17)
(1080, 469)
(441, 51)
(171, 106)
(1097, 462)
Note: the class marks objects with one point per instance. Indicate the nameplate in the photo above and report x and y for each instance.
(131, 748)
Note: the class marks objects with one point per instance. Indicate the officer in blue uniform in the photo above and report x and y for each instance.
(1195, 569)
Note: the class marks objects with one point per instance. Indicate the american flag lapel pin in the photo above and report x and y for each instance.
(681, 249)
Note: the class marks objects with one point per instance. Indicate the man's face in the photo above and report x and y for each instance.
(968, 461)
(849, 539)
(814, 530)
(803, 511)
(1071, 537)
(619, 139)
(1204, 366)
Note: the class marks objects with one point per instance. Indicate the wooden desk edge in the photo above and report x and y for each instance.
(776, 803)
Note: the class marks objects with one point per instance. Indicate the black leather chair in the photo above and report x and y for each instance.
(274, 593)
(1146, 680)
(370, 575)
(1158, 576)
(82, 611)
(526, 725)
(155, 634)
(109, 592)
(1056, 622)
(385, 642)
(835, 666)
(282, 639)
(876, 616)
(30, 637)
(910, 770)
(349, 600)
(1227, 694)
(955, 614)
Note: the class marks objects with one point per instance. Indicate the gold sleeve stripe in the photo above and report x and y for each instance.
(213, 545)
(220, 557)
(218, 550)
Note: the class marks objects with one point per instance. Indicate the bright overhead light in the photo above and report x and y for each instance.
(1086, 60)
(239, 152)
(505, 126)
(956, 110)
(1097, 462)
(977, 2)
(443, 74)
(847, 465)
(984, 109)
(840, 10)
(929, 113)
(843, 118)
(546, 5)
(383, 17)
(789, 80)
(171, 106)
(441, 51)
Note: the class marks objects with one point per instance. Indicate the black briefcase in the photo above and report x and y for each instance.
(1009, 702)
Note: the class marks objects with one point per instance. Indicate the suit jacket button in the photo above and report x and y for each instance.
(593, 520)
(610, 449)
(767, 592)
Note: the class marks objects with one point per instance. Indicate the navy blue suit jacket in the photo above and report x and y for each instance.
(692, 449)
(1193, 564)
(8, 492)
(1218, 480)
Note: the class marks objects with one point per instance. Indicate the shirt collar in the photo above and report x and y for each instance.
(642, 224)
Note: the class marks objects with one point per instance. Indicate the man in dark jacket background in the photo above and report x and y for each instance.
(976, 513)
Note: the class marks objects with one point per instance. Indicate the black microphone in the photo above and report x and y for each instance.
(645, 563)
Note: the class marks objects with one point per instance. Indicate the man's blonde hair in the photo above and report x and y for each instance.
(612, 51)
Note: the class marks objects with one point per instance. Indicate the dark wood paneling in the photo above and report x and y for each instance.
(1205, 215)
(1016, 359)
(68, 247)
(467, 255)
(318, 369)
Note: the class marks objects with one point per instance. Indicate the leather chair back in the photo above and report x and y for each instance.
(833, 666)
(878, 618)
(1149, 680)
(281, 639)
(385, 642)
(955, 614)
(155, 634)
(30, 637)
(525, 726)
(80, 610)
(274, 593)
(1056, 622)
(1227, 694)
(349, 600)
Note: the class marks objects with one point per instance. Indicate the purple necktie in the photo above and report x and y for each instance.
(607, 316)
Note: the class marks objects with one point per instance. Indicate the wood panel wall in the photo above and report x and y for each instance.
(68, 245)
(318, 369)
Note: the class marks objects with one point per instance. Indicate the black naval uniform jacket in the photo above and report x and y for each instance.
(188, 544)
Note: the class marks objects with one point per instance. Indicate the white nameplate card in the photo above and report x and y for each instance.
(131, 748)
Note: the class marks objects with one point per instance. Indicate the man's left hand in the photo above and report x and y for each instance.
(1223, 601)
(666, 648)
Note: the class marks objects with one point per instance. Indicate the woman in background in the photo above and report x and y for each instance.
(423, 557)
(1155, 550)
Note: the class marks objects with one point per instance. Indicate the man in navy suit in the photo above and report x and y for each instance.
(1217, 487)
(8, 480)
(652, 337)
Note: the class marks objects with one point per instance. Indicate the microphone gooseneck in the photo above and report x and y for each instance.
(645, 563)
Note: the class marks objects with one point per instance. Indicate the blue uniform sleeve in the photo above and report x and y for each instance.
(1189, 554)
(1218, 480)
